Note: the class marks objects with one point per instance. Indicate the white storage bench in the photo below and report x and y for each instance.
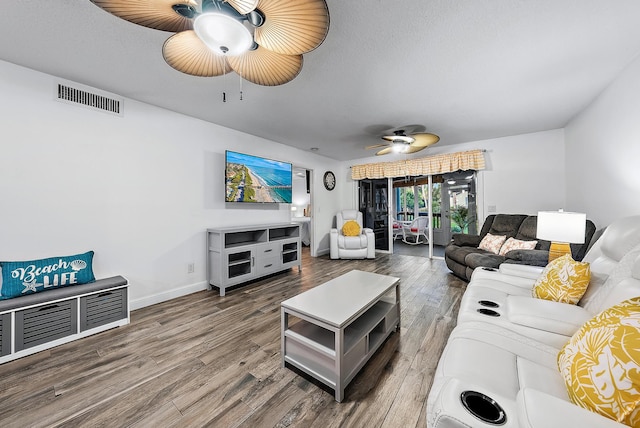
(39, 321)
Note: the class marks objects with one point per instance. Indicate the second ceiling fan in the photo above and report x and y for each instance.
(405, 139)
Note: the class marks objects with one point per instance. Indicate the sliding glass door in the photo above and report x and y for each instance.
(410, 201)
(451, 206)
(459, 204)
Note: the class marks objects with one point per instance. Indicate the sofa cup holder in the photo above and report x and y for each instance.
(488, 303)
(483, 407)
(488, 312)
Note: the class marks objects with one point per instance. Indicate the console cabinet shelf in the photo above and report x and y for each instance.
(243, 253)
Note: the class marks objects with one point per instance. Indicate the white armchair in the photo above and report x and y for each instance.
(351, 247)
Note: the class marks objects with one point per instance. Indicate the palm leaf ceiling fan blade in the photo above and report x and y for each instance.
(424, 139)
(292, 27)
(188, 54)
(157, 14)
(384, 151)
(267, 68)
(243, 6)
(392, 137)
(376, 146)
(413, 149)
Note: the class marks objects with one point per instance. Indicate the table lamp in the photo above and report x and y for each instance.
(561, 228)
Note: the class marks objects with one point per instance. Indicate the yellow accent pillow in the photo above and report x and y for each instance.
(351, 228)
(563, 280)
(601, 363)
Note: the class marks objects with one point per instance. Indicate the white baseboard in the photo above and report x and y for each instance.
(322, 251)
(167, 295)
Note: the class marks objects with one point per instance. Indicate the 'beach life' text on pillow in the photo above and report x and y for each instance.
(25, 277)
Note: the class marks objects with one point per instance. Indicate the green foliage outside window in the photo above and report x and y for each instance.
(460, 219)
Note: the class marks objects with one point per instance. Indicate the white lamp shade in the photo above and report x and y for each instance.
(223, 34)
(560, 226)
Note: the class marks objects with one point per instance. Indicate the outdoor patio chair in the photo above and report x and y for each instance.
(414, 232)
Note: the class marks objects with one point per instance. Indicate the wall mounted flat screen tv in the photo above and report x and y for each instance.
(256, 179)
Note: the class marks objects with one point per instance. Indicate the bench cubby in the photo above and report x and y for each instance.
(39, 321)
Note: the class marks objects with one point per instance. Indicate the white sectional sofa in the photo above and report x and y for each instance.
(499, 367)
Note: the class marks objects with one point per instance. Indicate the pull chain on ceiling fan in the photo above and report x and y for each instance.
(261, 40)
(405, 140)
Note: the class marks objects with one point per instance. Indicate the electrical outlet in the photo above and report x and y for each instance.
(191, 268)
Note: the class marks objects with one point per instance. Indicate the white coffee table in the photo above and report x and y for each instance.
(332, 330)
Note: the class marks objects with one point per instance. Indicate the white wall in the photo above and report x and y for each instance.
(524, 174)
(139, 190)
(603, 149)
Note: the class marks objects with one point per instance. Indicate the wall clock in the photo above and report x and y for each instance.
(329, 180)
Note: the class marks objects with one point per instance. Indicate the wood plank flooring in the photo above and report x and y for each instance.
(206, 360)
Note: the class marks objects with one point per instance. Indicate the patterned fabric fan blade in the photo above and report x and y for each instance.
(188, 54)
(157, 14)
(266, 68)
(424, 140)
(292, 27)
(384, 151)
(243, 6)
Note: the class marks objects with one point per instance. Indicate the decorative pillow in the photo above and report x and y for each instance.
(517, 244)
(351, 228)
(601, 363)
(27, 277)
(563, 280)
(492, 243)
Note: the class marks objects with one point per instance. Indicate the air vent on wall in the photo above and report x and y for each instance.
(89, 97)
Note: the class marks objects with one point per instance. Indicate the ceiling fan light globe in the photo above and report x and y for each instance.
(399, 147)
(223, 34)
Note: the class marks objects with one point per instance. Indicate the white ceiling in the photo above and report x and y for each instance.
(466, 69)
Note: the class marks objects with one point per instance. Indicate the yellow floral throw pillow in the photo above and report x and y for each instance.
(601, 363)
(351, 228)
(563, 280)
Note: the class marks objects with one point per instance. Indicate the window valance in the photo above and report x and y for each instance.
(430, 165)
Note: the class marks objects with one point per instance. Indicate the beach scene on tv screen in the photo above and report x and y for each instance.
(255, 179)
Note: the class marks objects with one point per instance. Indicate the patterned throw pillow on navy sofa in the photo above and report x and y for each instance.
(26, 277)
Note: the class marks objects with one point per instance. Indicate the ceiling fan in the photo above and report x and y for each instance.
(405, 139)
(261, 40)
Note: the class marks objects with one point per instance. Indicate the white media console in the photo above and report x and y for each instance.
(243, 253)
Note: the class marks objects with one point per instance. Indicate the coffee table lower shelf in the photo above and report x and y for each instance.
(334, 355)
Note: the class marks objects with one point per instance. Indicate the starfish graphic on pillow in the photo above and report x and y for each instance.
(30, 286)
